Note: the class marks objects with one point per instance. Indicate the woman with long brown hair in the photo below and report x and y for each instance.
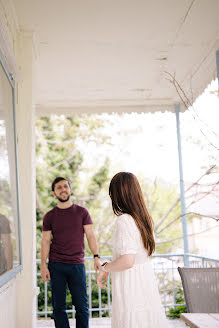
(135, 298)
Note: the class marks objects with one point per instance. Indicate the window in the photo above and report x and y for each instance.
(10, 245)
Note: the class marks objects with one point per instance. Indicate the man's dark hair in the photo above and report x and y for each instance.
(58, 179)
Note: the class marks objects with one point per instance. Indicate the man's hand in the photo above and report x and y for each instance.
(97, 264)
(45, 247)
(102, 276)
(45, 274)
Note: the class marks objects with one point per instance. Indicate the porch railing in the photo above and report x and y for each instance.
(165, 268)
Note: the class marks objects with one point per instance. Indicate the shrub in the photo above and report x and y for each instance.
(175, 311)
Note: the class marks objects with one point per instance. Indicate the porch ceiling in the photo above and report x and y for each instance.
(99, 55)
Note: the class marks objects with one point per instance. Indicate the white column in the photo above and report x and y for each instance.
(182, 191)
(217, 67)
(26, 282)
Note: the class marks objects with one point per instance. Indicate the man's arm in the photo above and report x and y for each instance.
(45, 247)
(92, 242)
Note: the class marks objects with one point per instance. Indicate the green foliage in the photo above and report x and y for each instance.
(95, 299)
(98, 180)
(159, 197)
(41, 298)
(60, 144)
(175, 312)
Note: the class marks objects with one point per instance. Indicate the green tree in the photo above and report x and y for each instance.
(59, 152)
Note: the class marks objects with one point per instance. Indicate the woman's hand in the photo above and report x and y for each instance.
(102, 276)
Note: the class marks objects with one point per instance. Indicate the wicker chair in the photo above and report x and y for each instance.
(201, 289)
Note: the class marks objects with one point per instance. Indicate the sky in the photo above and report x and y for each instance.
(146, 143)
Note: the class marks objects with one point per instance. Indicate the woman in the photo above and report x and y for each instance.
(135, 298)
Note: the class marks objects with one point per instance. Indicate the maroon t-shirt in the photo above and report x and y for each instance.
(67, 244)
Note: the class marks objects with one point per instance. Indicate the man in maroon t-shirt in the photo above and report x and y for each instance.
(63, 242)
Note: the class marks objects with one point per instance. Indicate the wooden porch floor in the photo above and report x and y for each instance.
(101, 322)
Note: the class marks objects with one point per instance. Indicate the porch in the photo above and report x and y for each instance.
(92, 57)
(101, 322)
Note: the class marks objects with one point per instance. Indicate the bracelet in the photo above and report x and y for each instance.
(103, 266)
(97, 255)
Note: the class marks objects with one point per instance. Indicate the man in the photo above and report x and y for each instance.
(63, 242)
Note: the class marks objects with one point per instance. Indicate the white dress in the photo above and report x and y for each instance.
(135, 298)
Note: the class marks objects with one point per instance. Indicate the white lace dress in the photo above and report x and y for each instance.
(135, 299)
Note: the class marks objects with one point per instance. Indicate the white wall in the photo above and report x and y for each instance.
(26, 286)
(7, 40)
(206, 242)
(8, 292)
(18, 297)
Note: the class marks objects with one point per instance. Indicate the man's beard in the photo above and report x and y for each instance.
(63, 200)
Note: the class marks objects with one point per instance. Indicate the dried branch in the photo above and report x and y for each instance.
(153, 203)
(189, 235)
(68, 159)
(185, 100)
(163, 218)
(216, 218)
(204, 194)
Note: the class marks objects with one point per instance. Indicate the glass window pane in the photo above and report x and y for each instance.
(9, 236)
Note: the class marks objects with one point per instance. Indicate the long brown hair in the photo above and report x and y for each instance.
(126, 195)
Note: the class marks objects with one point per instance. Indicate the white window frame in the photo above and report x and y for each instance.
(9, 275)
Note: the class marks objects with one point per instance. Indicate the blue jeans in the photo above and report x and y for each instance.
(73, 275)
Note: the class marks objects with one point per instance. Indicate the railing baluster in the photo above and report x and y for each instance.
(173, 284)
(108, 294)
(45, 295)
(100, 302)
(90, 289)
(73, 311)
(164, 289)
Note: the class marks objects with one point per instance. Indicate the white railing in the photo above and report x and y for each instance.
(165, 268)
